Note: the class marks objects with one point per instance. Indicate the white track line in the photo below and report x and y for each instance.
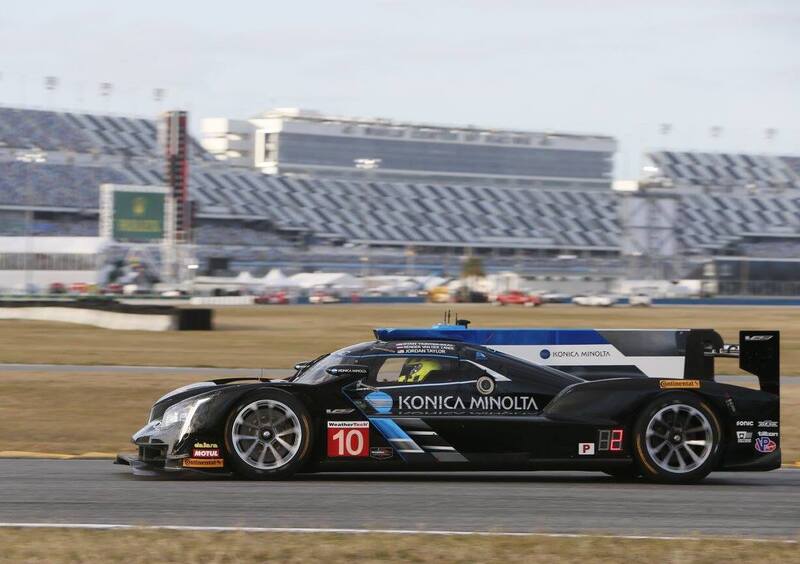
(118, 526)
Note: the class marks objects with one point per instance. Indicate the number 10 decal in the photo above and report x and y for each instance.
(348, 438)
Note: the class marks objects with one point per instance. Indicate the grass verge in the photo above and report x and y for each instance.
(25, 545)
(280, 336)
(77, 413)
(132, 546)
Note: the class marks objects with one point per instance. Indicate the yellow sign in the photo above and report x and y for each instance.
(666, 384)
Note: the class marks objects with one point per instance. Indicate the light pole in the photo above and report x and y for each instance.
(30, 158)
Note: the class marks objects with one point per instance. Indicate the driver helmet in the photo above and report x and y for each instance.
(415, 370)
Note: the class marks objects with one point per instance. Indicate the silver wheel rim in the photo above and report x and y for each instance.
(679, 438)
(266, 434)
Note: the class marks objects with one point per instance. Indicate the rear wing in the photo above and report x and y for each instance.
(595, 354)
(758, 353)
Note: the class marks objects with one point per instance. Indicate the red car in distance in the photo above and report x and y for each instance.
(279, 297)
(516, 297)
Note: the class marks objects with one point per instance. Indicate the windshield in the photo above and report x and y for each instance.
(316, 373)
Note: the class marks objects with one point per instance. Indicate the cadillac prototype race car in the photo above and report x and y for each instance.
(626, 402)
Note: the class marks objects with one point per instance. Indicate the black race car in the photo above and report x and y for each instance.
(454, 398)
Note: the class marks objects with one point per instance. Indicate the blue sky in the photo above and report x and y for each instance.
(605, 66)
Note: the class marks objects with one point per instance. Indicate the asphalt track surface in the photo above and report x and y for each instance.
(752, 505)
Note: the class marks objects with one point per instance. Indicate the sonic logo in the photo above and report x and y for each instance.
(139, 206)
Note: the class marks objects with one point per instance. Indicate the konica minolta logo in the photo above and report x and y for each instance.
(545, 354)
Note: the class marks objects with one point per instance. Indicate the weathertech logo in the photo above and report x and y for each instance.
(667, 384)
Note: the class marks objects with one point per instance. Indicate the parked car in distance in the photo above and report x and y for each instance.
(275, 298)
(596, 300)
(640, 300)
(517, 297)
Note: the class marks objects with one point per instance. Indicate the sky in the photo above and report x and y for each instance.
(614, 67)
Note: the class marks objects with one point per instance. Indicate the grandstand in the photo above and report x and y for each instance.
(254, 221)
(291, 141)
(726, 170)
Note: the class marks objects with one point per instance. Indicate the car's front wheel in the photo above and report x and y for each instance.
(677, 439)
(268, 435)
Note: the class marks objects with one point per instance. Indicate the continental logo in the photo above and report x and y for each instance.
(678, 384)
(203, 463)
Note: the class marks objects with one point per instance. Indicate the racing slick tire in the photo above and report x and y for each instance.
(677, 439)
(268, 435)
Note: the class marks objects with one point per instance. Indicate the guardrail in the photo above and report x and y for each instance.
(110, 314)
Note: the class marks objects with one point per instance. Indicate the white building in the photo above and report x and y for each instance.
(307, 143)
(38, 262)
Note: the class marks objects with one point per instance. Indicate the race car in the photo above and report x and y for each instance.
(631, 403)
(516, 297)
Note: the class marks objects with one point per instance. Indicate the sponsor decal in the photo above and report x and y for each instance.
(585, 449)
(485, 385)
(768, 423)
(339, 411)
(744, 436)
(348, 439)
(205, 453)
(729, 403)
(678, 383)
(472, 404)
(768, 433)
(345, 369)
(381, 453)
(758, 337)
(744, 423)
(203, 463)
(206, 445)
(380, 401)
(765, 444)
(424, 347)
(590, 353)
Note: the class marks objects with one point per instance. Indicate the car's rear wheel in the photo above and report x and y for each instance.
(677, 439)
(268, 435)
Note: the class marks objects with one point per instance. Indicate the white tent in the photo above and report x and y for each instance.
(277, 279)
(334, 280)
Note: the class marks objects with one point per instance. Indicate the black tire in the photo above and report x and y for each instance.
(295, 431)
(674, 452)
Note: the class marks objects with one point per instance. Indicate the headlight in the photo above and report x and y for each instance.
(181, 412)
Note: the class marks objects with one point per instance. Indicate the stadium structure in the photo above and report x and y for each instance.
(290, 141)
(302, 191)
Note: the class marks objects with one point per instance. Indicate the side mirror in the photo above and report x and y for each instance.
(301, 365)
(347, 369)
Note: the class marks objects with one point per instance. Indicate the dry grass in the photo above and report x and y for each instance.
(77, 413)
(73, 413)
(59, 545)
(279, 336)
